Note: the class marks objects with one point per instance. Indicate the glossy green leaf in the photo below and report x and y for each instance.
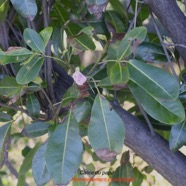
(28, 72)
(124, 172)
(26, 8)
(150, 52)
(64, 151)
(4, 136)
(177, 136)
(9, 87)
(46, 34)
(3, 9)
(39, 169)
(155, 81)
(106, 136)
(124, 49)
(34, 40)
(33, 105)
(119, 73)
(81, 110)
(36, 129)
(26, 166)
(14, 55)
(169, 112)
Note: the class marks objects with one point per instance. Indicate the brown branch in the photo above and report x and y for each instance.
(154, 150)
(173, 20)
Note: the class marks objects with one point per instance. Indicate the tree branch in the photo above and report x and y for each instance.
(173, 19)
(154, 150)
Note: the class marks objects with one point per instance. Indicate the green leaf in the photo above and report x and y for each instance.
(39, 169)
(26, 165)
(34, 40)
(36, 129)
(46, 34)
(9, 87)
(177, 136)
(155, 81)
(169, 112)
(119, 73)
(81, 110)
(124, 49)
(14, 55)
(3, 9)
(28, 72)
(26, 8)
(150, 52)
(4, 136)
(138, 177)
(32, 105)
(125, 172)
(64, 151)
(4, 117)
(105, 134)
(113, 18)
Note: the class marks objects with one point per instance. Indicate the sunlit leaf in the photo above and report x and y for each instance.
(46, 34)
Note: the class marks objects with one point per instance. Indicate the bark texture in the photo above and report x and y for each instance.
(154, 150)
(173, 20)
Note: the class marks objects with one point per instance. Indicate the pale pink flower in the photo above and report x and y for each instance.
(79, 78)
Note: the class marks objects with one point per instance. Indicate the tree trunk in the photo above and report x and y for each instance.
(154, 150)
(173, 20)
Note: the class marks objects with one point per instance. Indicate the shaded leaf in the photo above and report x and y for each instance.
(81, 110)
(4, 137)
(26, 8)
(4, 117)
(36, 129)
(170, 112)
(106, 136)
(3, 9)
(155, 81)
(64, 151)
(46, 34)
(26, 166)
(28, 72)
(9, 87)
(14, 55)
(33, 105)
(177, 136)
(39, 169)
(34, 40)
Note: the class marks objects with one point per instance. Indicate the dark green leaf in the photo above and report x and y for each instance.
(26, 8)
(3, 9)
(28, 72)
(9, 87)
(4, 136)
(34, 40)
(39, 169)
(155, 81)
(170, 112)
(138, 177)
(64, 151)
(177, 136)
(4, 117)
(106, 136)
(36, 129)
(33, 105)
(14, 55)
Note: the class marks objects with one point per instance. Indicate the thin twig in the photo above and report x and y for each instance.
(135, 15)
(164, 48)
